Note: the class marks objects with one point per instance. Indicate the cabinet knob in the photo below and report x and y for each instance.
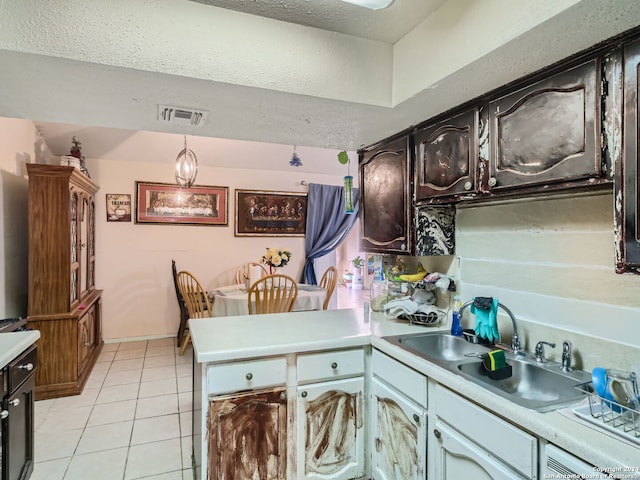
(249, 376)
(493, 181)
(28, 367)
(437, 433)
(304, 394)
(403, 246)
(467, 185)
(283, 395)
(334, 365)
(4, 414)
(15, 402)
(416, 418)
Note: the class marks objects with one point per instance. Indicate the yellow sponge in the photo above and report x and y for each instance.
(495, 360)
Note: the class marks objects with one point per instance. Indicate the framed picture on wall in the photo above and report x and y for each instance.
(118, 207)
(261, 213)
(165, 203)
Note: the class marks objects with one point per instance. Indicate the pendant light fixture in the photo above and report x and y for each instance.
(343, 158)
(186, 166)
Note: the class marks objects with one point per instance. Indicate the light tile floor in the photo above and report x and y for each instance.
(132, 421)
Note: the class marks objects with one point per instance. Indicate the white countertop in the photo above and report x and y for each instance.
(235, 338)
(13, 344)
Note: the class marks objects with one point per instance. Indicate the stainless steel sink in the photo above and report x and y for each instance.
(541, 387)
(439, 347)
(530, 385)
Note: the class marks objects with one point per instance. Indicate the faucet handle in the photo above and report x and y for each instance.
(539, 352)
(566, 356)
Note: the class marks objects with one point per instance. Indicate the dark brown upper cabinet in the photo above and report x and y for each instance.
(627, 180)
(547, 132)
(446, 153)
(385, 196)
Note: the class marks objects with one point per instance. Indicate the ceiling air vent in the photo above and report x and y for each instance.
(181, 115)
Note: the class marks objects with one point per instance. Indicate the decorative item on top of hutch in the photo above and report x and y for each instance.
(386, 196)
(64, 303)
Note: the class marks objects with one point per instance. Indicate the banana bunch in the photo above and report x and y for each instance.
(414, 277)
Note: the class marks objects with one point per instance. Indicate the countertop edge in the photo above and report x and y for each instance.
(13, 344)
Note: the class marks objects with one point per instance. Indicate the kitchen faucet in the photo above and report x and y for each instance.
(566, 356)
(515, 339)
(539, 352)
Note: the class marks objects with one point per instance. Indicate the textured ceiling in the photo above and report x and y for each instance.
(388, 25)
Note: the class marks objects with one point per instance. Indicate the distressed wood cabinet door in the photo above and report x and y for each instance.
(446, 156)
(399, 429)
(547, 132)
(385, 197)
(248, 436)
(330, 430)
(628, 181)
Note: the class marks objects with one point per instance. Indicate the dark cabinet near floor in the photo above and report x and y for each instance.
(386, 196)
(547, 132)
(446, 157)
(628, 181)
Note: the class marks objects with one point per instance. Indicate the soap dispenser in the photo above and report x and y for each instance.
(456, 326)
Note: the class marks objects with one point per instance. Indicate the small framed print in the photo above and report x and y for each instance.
(118, 207)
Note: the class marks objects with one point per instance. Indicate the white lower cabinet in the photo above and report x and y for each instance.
(330, 430)
(398, 418)
(469, 442)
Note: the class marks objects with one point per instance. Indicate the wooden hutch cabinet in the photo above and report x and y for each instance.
(64, 304)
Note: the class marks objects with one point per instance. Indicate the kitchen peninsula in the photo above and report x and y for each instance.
(279, 369)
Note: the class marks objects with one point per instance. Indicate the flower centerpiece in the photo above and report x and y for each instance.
(276, 258)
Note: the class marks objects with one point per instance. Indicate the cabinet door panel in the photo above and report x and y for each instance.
(549, 131)
(385, 198)
(458, 458)
(399, 436)
(330, 422)
(446, 154)
(629, 185)
(248, 436)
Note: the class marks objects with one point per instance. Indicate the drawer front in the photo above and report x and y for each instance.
(23, 366)
(399, 376)
(515, 447)
(330, 365)
(238, 376)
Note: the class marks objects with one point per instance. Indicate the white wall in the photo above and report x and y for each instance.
(134, 260)
(551, 262)
(18, 144)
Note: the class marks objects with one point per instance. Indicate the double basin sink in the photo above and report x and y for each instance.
(538, 386)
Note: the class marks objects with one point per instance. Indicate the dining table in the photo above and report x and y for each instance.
(233, 300)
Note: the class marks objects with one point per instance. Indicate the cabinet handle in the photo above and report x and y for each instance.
(467, 185)
(493, 181)
(416, 418)
(28, 367)
(334, 365)
(437, 433)
(304, 394)
(249, 376)
(4, 414)
(15, 402)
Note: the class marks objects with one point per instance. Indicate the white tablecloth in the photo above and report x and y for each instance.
(233, 300)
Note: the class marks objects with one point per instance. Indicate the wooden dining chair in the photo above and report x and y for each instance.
(329, 281)
(184, 313)
(242, 273)
(195, 298)
(272, 294)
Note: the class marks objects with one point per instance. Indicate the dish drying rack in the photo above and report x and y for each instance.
(609, 414)
(431, 319)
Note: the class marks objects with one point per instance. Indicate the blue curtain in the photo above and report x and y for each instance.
(327, 224)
